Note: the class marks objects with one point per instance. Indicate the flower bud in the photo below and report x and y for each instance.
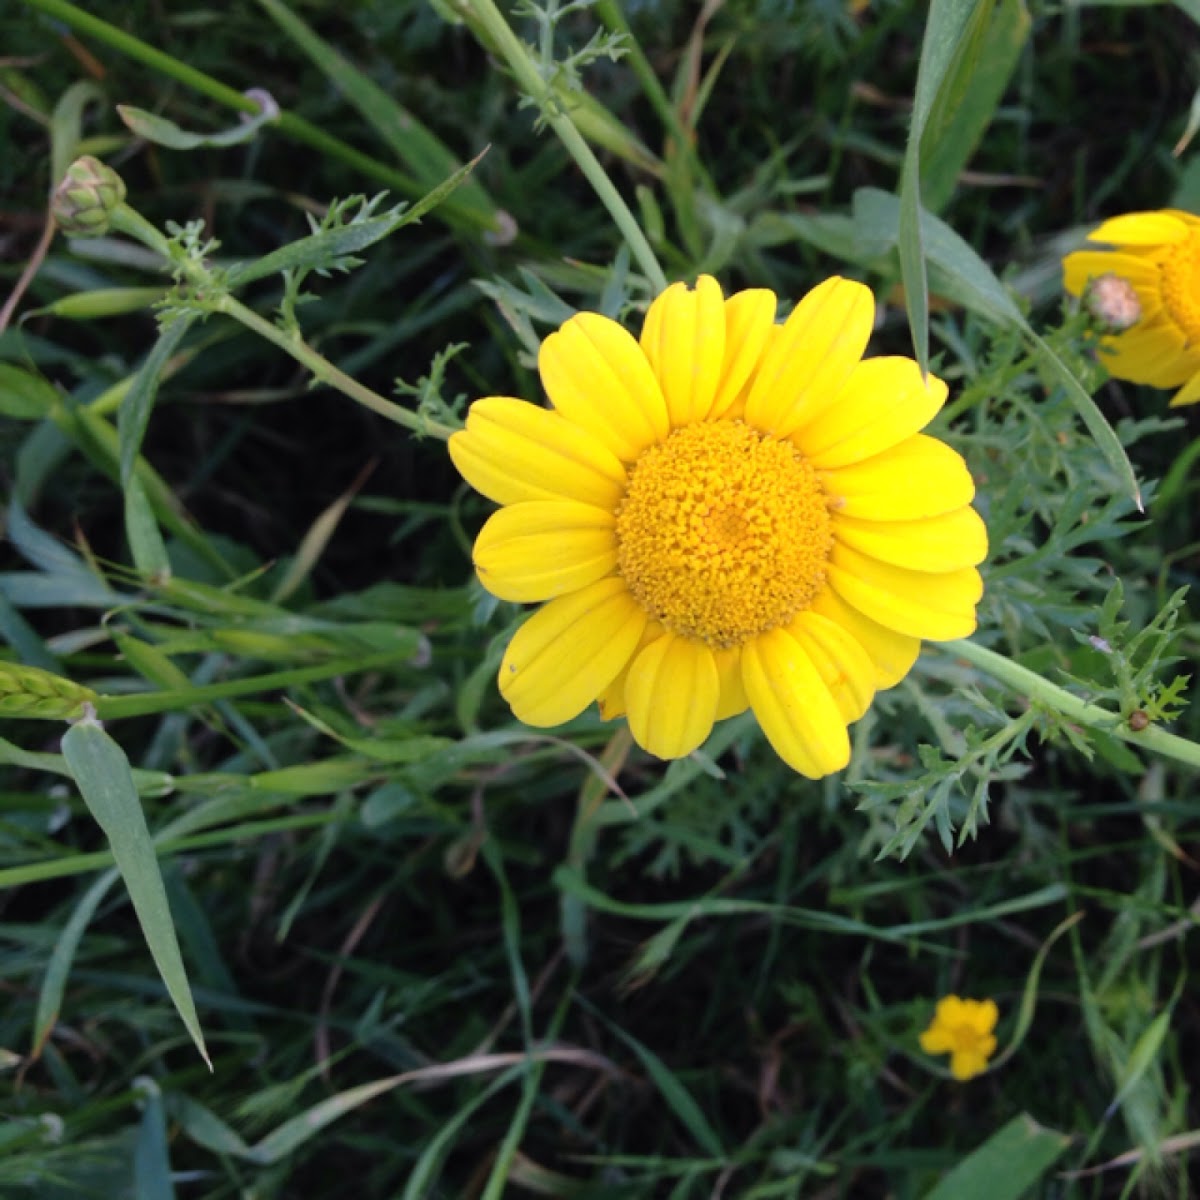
(1113, 302)
(83, 202)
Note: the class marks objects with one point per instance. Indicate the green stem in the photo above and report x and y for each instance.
(326, 372)
(131, 222)
(142, 704)
(453, 212)
(609, 11)
(528, 77)
(1031, 685)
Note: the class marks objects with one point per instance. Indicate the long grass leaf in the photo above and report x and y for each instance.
(103, 776)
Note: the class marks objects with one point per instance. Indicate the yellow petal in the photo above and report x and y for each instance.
(885, 401)
(684, 340)
(805, 367)
(1085, 265)
(1188, 394)
(937, 1040)
(951, 1010)
(612, 699)
(1153, 352)
(512, 450)
(920, 477)
(793, 705)
(966, 1064)
(671, 693)
(733, 698)
(845, 667)
(892, 653)
(984, 1015)
(937, 607)
(544, 548)
(1140, 229)
(943, 543)
(598, 378)
(749, 322)
(569, 651)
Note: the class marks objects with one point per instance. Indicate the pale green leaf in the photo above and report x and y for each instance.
(102, 774)
(1006, 1166)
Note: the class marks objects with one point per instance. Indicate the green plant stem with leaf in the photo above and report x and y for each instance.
(483, 15)
(1033, 686)
(209, 295)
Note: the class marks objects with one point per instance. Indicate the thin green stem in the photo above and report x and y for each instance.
(142, 704)
(322, 369)
(131, 222)
(609, 11)
(514, 52)
(452, 211)
(1033, 686)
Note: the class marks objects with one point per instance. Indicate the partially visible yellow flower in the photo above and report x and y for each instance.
(1158, 254)
(728, 514)
(963, 1029)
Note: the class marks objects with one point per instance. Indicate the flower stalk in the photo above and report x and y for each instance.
(484, 15)
(209, 294)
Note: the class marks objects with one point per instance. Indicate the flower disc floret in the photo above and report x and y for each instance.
(723, 533)
(1180, 268)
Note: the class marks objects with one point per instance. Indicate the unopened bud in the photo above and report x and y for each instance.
(84, 201)
(1113, 302)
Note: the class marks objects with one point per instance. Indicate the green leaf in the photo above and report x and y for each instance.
(967, 101)
(679, 1100)
(65, 126)
(145, 540)
(54, 982)
(944, 30)
(1145, 1051)
(322, 250)
(134, 414)
(151, 1160)
(963, 276)
(24, 396)
(163, 132)
(1010, 1162)
(103, 776)
(420, 150)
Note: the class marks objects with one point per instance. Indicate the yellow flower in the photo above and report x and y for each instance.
(963, 1029)
(1158, 253)
(730, 514)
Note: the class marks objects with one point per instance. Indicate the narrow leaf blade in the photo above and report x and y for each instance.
(103, 776)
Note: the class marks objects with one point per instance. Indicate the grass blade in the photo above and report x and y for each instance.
(103, 776)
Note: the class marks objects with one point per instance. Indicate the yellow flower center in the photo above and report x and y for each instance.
(723, 532)
(965, 1038)
(1180, 268)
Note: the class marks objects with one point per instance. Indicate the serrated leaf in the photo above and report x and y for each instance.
(322, 250)
(102, 773)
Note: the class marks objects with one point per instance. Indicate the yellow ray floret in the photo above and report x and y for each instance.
(1158, 255)
(726, 513)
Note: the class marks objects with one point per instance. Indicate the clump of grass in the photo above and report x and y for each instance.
(434, 951)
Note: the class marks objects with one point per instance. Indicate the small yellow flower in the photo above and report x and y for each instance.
(1158, 254)
(728, 514)
(963, 1029)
